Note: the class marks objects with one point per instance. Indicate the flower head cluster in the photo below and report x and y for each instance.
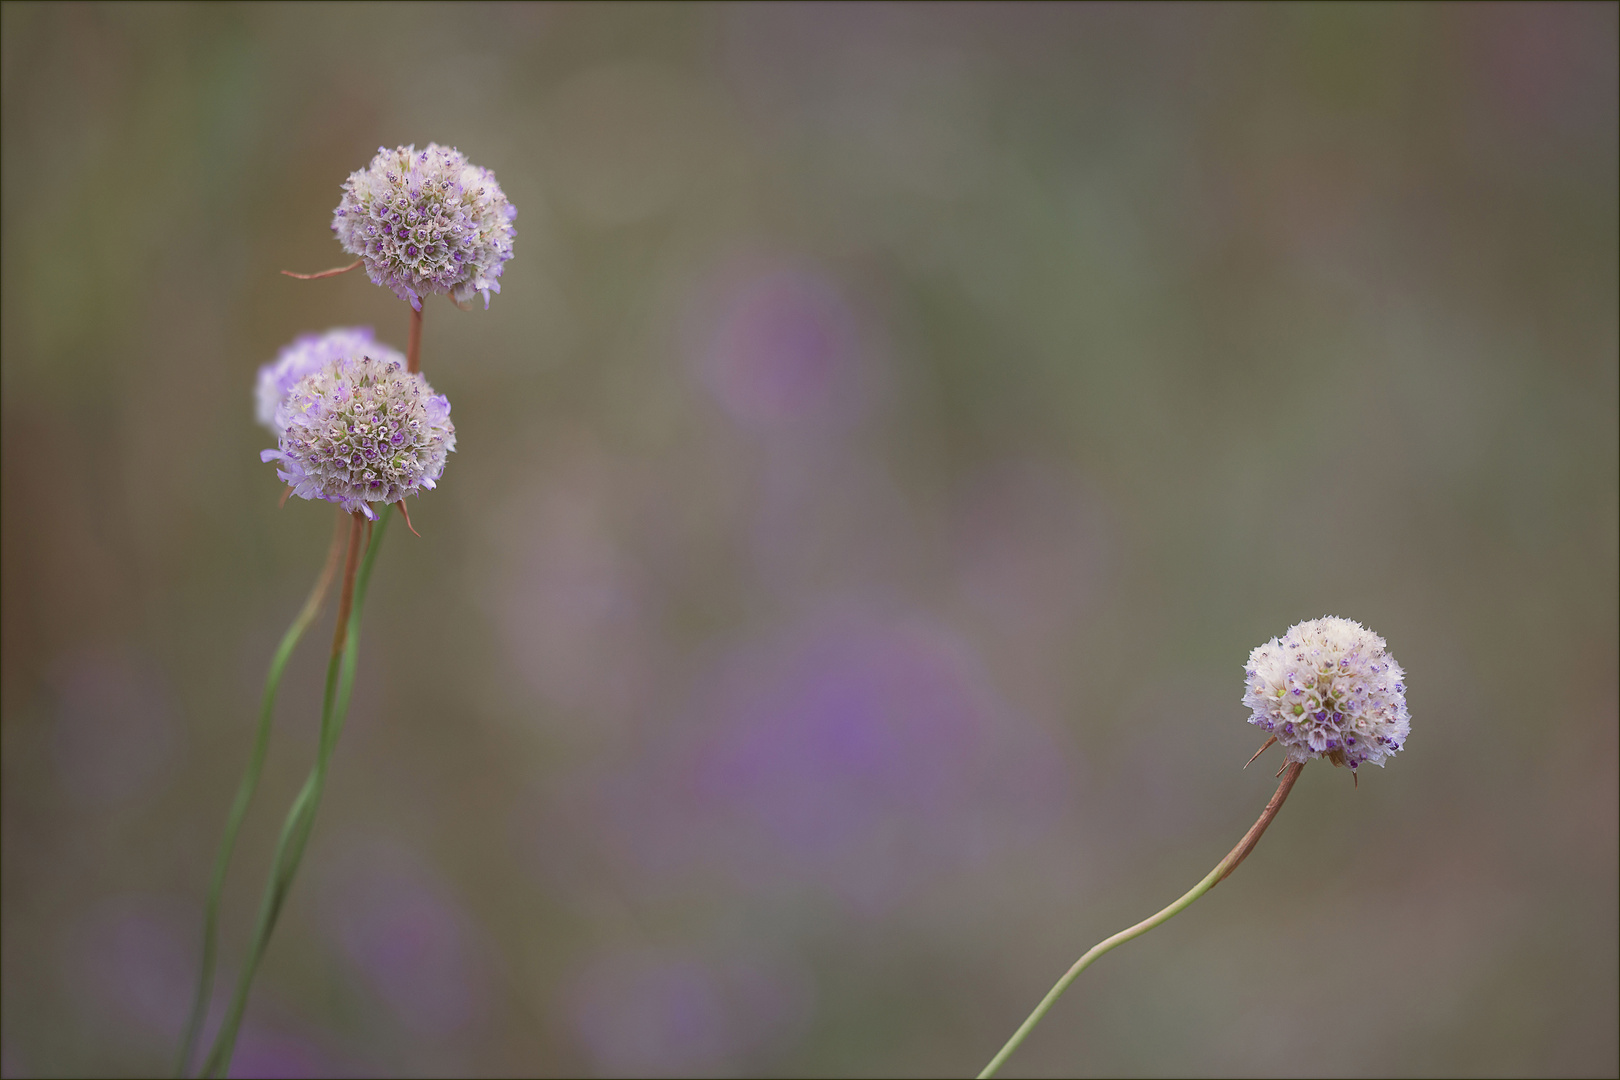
(361, 430)
(427, 222)
(308, 354)
(1329, 688)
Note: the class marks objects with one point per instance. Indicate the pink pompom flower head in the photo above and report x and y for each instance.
(425, 222)
(361, 430)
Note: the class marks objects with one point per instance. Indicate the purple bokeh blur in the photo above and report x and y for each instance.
(116, 734)
(861, 755)
(661, 1013)
(131, 962)
(404, 936)
(784, 352)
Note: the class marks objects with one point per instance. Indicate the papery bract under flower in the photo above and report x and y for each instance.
(427, 222)
(362, 430)
(1329, 688)
(307, 354)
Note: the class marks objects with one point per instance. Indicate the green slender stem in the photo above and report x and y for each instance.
(1289, 774)
(301, 818)
(244, 796)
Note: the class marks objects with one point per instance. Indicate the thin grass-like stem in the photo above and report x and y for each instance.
(1290, 773)
(244, 793)
(300, 819)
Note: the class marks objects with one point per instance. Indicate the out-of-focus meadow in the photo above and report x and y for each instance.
(895, 429)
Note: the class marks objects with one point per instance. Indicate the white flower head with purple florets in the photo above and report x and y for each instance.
(1329, 688)
(308, 354)
(427, 222)
(362, 430)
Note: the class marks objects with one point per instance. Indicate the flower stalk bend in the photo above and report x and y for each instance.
(1328, 688)
(1290, 774)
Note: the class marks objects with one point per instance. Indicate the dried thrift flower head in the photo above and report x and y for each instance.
(308, 354)
(1329, 688)
(362, 430)
(427, 222)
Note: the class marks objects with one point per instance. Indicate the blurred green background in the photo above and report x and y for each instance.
(896, 428)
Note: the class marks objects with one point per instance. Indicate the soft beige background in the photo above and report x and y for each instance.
(897, 426)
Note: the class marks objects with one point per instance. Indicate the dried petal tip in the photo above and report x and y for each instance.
(306, 355)
(1329, 688)
(361, 430)
(427, 222)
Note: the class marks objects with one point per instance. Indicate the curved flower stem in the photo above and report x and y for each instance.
(300, 819)
(1213, 878)
(413, 344)
(244, 794)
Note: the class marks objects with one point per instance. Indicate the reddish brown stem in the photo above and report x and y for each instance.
(333, 554)
(334, 272)
(1290, 773)
(351, 564)
(413, 346)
